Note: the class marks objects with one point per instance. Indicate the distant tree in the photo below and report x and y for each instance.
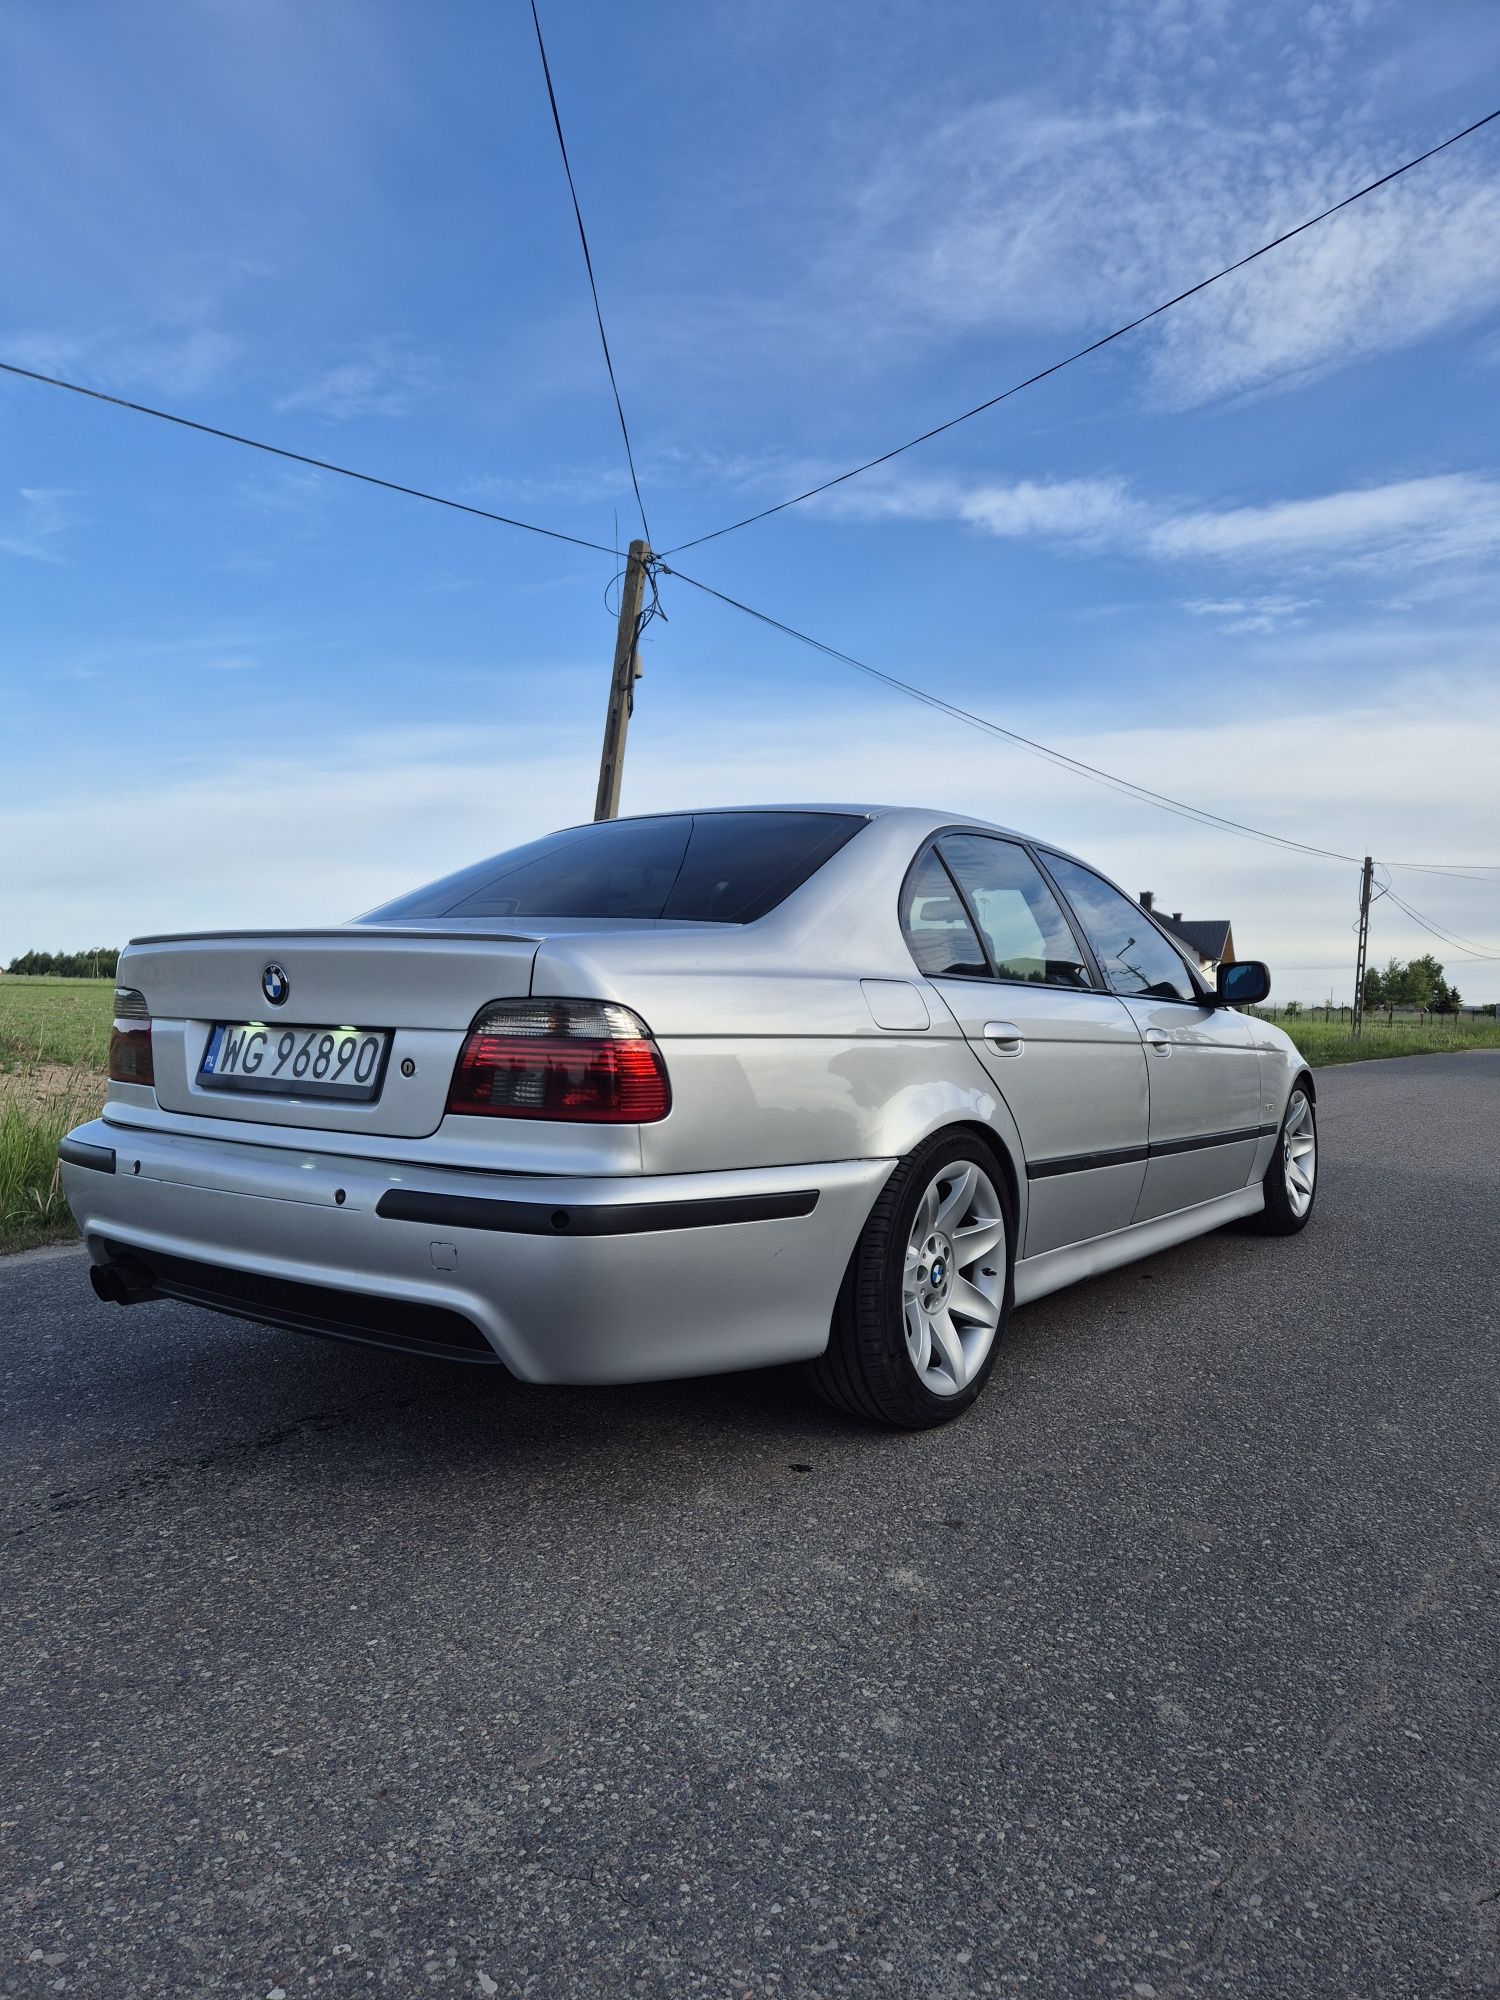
(100, 963)
(1426, 981)
(1419, 983)
(1401, 985)
(1394, 984)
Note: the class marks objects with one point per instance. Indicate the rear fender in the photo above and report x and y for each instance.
(775, 1100)
(915, 1115)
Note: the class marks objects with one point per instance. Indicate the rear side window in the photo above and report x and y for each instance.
(937, 926)
(722, 868)
(1027, 934)
(1137, 960)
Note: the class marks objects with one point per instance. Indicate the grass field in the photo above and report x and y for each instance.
(1325, 1042)
(54, 1043)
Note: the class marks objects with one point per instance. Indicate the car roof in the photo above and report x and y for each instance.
(920, 820)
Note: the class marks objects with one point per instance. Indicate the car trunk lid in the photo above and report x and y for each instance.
(424, 987)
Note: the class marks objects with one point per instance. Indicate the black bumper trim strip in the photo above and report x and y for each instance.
(78, 1153)
(541, 1218)
(1123, 1156)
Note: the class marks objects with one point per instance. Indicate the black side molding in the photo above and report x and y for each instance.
(1079, 1163)
(623, 1218)
(1211, 1139)
(76, 1153)
(1124, 1156)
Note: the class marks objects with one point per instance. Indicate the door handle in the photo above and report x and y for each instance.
(1158, 1043)
(1004, 1037)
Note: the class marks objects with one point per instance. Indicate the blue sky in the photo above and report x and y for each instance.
(1247, 556)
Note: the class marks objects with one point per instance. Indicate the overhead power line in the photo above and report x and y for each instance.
(1487, 872)
(297, 457)
(1467, 946)
(588, 264)
(1093, 347)
(1143, 793)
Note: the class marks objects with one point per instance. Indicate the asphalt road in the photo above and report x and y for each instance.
(1171, 1670)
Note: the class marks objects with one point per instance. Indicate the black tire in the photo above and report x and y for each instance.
(1280, 1216)
(867, 1371)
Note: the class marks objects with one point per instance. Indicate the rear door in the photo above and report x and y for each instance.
(1201, 1061)
(1065, 1056)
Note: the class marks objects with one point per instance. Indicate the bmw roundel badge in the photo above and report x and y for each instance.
(275, 984)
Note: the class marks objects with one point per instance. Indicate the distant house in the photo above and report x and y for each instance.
(1209, 939)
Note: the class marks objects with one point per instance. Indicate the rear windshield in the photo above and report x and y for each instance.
(718, 868)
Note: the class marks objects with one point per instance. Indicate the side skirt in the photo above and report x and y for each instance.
(1036, 1276)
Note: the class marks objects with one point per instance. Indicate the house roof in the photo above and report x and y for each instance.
(1207, 936)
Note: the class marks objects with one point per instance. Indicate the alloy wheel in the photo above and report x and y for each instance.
(953, 1282)
(1299, 1152)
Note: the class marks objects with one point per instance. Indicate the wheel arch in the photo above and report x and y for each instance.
(909, 1124)
(866, 1368)
(973, 1127)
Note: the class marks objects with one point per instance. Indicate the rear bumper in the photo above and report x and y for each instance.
(563, 1280)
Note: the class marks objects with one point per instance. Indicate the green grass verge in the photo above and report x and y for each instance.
(32, 1208)
(54, 1043)
(1327, 1042)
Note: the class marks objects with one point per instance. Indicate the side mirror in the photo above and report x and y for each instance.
(1244, 983)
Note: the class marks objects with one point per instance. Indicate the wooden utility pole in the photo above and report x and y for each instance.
(1366, 878)
(627, 671)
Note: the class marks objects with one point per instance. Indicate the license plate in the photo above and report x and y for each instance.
(347, 1063)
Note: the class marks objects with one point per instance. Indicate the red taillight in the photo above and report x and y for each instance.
(130, 1039)
(588, 1062)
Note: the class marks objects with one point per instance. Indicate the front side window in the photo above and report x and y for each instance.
(1138, 962)
(720, 868)
(1027, 935)
(937, 925)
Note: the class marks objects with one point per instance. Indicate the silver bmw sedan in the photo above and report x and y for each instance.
(664, 1096)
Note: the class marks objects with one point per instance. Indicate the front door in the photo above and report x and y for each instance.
(1201, 1062)
(1205, 1103)
(1066, 1057)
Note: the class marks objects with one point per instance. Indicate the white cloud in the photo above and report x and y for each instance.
(298, 841)
(285, 838)
(1250, 614)
(1086, 511)
(1447, 517)
(381, 378)
(173, 354)
(1400, 266)
(1062, 219)
(1442, 518)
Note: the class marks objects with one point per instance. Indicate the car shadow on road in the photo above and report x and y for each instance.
(190, 1394)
